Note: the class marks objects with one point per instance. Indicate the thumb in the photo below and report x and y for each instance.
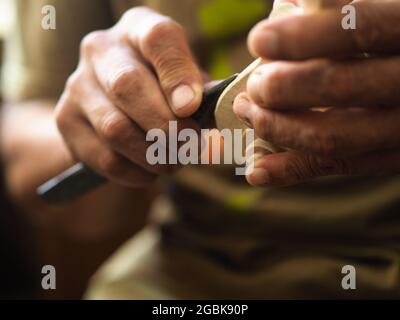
(163, 43)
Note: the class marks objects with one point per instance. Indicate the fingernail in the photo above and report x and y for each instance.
(253, 86)
(268, 44)
(182, 96)
(259, 177)
(241, 104)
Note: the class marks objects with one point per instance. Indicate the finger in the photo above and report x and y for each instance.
(294, 167)
(334, 132)
(321, 34)
(320, 82)
(136, 92)
(86, 147)
(130, 85)
(163, 43)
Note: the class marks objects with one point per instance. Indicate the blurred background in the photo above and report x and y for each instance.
(25, 246)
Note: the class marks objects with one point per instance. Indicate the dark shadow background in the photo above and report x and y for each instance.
(17, 249)
(25, 248)
(17, 252)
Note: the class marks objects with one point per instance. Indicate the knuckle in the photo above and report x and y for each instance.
(368, 32)
(296, 30)
(111, 164)
(91, 42)
(165, 45)
(115, 129)
(162, 45)
(338, 82)
(62, 116)
(159, 33)
(306, 167)
(74, 82)
(130, 14)
(126, 81)
(323, 166)
(133, 14)
(267, 126)
(343, 166)
(263, 125)
(273, 87)
(172, 71)
(323, 143)
(299, 169)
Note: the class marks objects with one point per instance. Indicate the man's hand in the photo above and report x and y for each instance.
(318, 63)
(134, 77)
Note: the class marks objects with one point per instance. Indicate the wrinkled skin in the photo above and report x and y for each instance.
(134, 77)
(314, 62)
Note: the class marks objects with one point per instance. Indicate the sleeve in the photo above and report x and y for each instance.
(37, 62)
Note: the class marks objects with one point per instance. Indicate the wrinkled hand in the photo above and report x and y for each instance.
(134, 77)
(315, 62)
